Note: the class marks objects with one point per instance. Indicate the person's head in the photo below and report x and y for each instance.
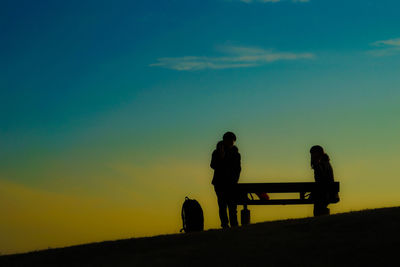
(317, 152)
(229, 139)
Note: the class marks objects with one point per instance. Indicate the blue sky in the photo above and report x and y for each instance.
(94, 72)
(63, 46)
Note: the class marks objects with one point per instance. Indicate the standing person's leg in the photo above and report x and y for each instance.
(232, 209)
(233, 215)
(222, 206)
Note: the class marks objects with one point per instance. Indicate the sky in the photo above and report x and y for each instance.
(109, 110)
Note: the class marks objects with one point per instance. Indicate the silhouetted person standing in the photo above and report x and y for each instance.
(226, 164)
(323, 175)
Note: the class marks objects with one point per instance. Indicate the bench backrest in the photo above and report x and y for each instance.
(286, 187)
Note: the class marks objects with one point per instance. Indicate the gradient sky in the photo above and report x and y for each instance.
(109, 110)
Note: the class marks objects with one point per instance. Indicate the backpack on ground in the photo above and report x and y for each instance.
(192, 216)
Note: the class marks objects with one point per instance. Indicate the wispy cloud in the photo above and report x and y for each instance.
(389, 42)
(273, 1)
(388, 47)
(233, 57)
(262, 1)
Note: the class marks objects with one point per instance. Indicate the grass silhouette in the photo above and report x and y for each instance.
(362, 238)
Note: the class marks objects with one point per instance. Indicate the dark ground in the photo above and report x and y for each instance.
(364, 238)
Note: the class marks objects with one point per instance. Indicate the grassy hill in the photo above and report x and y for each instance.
(363, 238)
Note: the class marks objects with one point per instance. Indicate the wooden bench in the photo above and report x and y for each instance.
(245, 191)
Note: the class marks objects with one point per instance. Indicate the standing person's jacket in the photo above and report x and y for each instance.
(226, 169)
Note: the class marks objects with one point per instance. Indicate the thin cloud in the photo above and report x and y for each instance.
(234, 57)
(389, 42)
(384, 48)
(273, 1)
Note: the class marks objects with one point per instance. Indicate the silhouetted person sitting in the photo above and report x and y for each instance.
(226, 164)
(323, 174)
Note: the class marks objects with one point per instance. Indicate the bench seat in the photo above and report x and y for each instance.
(244, 189)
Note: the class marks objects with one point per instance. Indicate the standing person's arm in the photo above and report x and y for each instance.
(217, 156)
(214, 160)
(237, 167)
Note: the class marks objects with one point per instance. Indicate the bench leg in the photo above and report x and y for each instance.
(245, 216)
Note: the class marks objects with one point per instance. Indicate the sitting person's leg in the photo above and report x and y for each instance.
(321, 208)
(317, 209)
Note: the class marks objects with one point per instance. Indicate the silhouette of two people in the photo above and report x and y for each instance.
(225, 161)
